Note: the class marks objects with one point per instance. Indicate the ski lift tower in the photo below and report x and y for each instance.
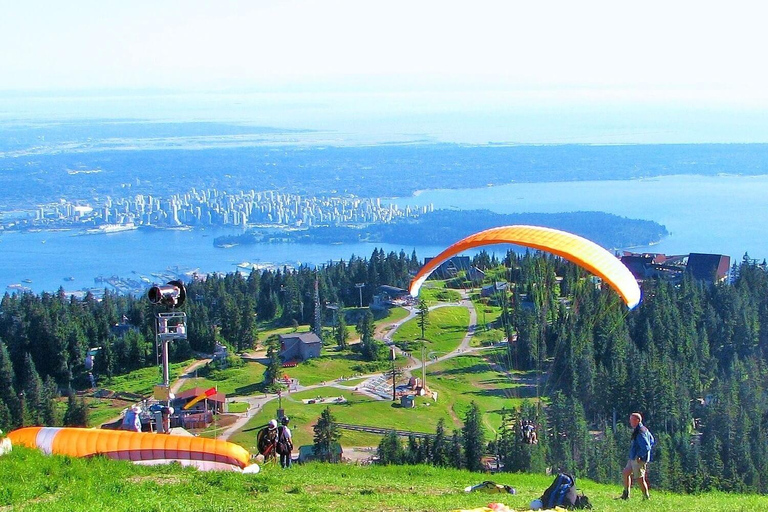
(170, 325)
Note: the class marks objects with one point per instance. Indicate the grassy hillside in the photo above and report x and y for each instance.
(32, 481)
(239, 381)
(447, 327)
(457, 381)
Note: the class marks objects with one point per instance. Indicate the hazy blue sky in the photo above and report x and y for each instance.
(517, 71)
(638, 50)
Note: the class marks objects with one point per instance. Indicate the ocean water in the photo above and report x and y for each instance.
(724, 214)
(48, 258)
(717, 214)
(720, 214)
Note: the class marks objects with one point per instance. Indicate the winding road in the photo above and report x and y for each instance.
(384, 333)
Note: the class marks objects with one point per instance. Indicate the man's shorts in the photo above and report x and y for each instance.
(637, 468)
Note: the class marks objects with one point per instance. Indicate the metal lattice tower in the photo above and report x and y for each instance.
(169, 327)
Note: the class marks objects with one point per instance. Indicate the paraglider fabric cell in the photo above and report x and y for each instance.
(573, 248)
(138, 447)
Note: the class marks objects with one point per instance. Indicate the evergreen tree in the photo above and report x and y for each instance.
(327, 435)
(456, 454)
(412, 452)
(369, 347)
(390, 450)
(423, 317)
(440, 445)
(32, 385)
(273, 366)
(6, 421)
(474, 438)
(342, 336)
(76, 414)
(48, 398)
(7, 390)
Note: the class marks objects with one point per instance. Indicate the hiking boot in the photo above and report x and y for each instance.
(625, 495)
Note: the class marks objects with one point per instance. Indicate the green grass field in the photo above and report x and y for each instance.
(262, 335)
(393, 315)
(241, 381)
(100, 410)
(447, 327)
(434, 292)
(237, 407)
(35, 482)
(479, 377)
(458, 381)
(141, 381)
(326, 368)
(303, 417)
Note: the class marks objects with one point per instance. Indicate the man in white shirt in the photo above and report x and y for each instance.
(284, 443)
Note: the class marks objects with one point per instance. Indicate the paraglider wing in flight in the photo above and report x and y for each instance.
(573, 248)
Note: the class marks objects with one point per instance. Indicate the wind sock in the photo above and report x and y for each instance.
(203, 396)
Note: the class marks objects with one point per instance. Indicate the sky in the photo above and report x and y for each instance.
(588, 58)
(655, 48)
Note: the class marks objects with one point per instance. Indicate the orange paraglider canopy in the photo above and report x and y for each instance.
(138, 447)
(573, 248)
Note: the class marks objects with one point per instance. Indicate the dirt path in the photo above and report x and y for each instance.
(188, 373)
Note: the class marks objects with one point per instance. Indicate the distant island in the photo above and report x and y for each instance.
(443, 227)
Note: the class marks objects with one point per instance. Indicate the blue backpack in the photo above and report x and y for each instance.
(561, 493)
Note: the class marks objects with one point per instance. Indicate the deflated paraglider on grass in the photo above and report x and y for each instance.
(138, 447)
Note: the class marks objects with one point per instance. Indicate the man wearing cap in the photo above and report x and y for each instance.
(639, 456)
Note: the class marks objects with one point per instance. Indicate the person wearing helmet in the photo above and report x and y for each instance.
(266, 440)
(284, 443)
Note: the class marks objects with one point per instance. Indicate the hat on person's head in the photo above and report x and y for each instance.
(285, 420)
(637, 416)
(272, 424)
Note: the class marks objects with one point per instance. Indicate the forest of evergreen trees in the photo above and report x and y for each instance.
(691, 358)
(44, 338)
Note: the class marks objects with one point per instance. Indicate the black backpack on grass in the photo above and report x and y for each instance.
(562, 493)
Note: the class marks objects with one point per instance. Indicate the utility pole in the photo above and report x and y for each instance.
(424, 365)
(318, 311)
(360, 287)
(394, 387)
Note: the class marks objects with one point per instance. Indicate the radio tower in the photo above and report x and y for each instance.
(318, 311)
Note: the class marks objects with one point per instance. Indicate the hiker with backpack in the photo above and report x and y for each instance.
(266, 441)
(284, 443)
(639, 456)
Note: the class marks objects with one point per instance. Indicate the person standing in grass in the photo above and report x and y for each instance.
(284, 443)
(639, 456)
(266, 440)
